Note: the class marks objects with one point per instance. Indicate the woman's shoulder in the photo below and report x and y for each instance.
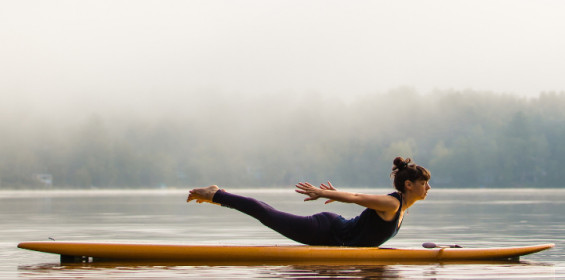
(396, 195)
(383, 202)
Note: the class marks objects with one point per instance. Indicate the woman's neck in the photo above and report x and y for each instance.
(408, 200)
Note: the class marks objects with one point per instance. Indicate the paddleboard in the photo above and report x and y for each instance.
(92, 252)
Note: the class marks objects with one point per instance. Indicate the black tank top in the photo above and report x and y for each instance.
(367, 229)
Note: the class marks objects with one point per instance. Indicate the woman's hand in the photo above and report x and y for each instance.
(328, 187)
(308, 189)
(312, 192)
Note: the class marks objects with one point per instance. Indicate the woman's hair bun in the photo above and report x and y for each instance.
(400, 163)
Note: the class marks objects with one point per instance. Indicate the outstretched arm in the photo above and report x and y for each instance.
(377, 202)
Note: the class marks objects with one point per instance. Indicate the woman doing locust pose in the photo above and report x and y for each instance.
(379, 222)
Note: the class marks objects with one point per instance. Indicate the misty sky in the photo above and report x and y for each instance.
(116, 53)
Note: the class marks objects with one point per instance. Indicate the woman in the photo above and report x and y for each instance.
(377, 223)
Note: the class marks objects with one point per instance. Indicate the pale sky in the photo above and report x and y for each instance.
(81, 52)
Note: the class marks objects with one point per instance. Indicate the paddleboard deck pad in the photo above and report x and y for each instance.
(102, 252)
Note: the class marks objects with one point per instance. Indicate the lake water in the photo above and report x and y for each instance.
(470, 218)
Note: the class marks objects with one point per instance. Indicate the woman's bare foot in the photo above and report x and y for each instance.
(202, 194)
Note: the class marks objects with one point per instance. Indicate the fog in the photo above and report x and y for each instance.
(467, 139)
(261, 68)
(96, 55)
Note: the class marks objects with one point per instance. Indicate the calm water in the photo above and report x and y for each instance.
(471, 218)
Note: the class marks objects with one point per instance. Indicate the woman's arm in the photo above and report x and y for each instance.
(385, 203)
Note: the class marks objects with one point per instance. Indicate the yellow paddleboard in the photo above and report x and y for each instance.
(81, 252)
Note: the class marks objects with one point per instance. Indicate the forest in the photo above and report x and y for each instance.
(466, 138)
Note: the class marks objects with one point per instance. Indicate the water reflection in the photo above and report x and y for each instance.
(381, 271)
(340, 272)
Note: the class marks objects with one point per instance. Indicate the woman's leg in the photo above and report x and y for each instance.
(311, 230)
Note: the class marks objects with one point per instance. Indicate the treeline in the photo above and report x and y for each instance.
(466, 139)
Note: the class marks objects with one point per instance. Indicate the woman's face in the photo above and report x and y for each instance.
(421, 188)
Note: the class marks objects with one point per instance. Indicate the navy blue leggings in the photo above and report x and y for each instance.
(310, 230)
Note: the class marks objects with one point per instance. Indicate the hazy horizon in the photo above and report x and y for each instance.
(146, 92)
